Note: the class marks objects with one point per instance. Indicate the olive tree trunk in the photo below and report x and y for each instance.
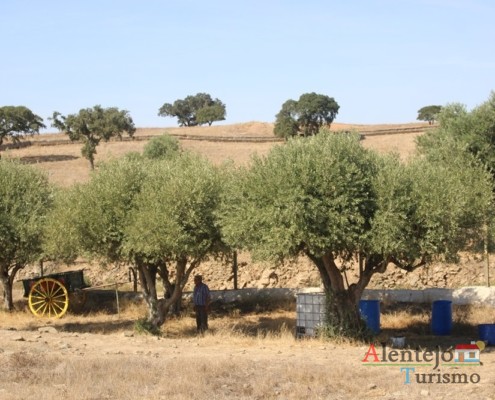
(159, 308)
(7, 281)
(343, 316)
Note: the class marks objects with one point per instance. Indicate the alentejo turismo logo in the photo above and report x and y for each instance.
(411, 361)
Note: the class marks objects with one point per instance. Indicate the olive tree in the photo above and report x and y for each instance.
(474, 130)
(89, 219)
(91, 125)
(173, 227)
(330, 199)
(25, 198)
(18, 121)
(157, 216)
(161, 147)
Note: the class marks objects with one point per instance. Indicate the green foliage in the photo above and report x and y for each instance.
(336, 328)
(174, 215)
(305, 116)
(195, 110)
(161, 147)
(25, 198)
(143, 326)
(473, 130)
(313, 195)
(61, 230)
(432, 206)
(96, 213)
(210, 114)
(428, 113)
(91, 125)
(286, 125)
(329, 198)
(15, 122)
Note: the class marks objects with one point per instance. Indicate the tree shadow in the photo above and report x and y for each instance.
(47, 158)
(104, 327)
(418, 332)
(264, 326)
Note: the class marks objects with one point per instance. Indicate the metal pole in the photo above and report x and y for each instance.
(487, 256)
(234, 268)
(117, 298)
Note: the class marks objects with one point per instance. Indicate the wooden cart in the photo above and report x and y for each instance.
(48, 295)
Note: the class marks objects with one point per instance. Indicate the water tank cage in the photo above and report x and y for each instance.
(310, 309)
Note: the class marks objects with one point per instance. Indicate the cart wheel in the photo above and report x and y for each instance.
(48, 298)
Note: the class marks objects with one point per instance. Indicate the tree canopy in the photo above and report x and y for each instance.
(163, 146)
(17, 121)
(156, 215)
(174, 226)
(305, 116)
(195, 110)
(473, 130)
(332, 200)
(25, 198)
(91, 125)
(428, 113)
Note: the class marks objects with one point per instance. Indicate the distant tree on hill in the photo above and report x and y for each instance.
(195, 110)
(91, 125)
(305, 116)
(209, 114)
(17, 121)
(429, 114)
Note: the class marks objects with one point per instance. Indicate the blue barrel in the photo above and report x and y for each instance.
(370, 312)
(486, 332)
(441, 318)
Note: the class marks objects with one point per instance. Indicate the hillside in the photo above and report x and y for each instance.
(55, 154)
(62, 159)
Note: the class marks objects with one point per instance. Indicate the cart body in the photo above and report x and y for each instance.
(48, 295)
(72, 280)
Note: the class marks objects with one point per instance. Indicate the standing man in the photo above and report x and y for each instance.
(201, 299)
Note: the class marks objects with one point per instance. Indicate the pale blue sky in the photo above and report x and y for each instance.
(381, 60)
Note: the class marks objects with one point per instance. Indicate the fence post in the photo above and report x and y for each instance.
(487, 255)
(117, 298)
(234, 269)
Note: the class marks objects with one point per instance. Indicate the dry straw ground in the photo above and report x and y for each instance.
(245, 355)
(65, 166)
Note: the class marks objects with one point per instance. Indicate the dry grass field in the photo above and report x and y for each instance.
(245, 355)
(65, 165)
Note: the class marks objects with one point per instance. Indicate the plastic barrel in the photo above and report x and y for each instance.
(370, 312)
(441, 318)
(486, 332)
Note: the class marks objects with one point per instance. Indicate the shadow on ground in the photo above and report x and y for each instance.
(47, 158)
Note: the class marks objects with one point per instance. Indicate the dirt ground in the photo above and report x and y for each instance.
(251, 356)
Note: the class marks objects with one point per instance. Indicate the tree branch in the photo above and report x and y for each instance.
(409, 267)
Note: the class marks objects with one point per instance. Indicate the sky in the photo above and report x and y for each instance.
(381, 60)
